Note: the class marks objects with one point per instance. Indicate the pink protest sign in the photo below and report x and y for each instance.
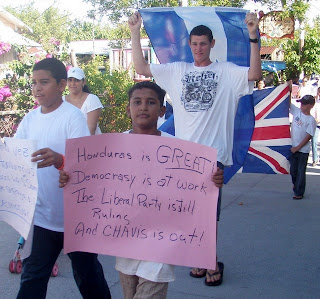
(143, 197)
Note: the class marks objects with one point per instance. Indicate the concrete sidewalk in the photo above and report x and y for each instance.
(268, 242)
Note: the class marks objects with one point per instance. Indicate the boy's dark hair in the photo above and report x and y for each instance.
(201, 30)
(54, 66)
(151, 85)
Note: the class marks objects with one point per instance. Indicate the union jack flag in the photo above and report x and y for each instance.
(269, 147)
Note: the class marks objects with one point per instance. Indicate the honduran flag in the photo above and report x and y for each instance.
(168, 30)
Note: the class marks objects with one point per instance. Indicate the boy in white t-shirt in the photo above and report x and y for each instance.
(143, 279)
(50, 125)
(204, 93)
(303, 127)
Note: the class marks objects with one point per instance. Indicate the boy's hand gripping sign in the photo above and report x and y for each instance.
(143, 197)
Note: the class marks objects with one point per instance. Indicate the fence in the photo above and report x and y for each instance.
(8, 122)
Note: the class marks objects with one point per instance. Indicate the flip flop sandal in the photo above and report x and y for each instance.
(198, 275)
(297, 197)
(216, 282)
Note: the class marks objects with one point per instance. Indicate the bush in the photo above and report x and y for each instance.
(112, 89)
(20, 101)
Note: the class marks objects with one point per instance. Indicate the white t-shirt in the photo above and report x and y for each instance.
(91, 103)
(51, 130)
(157, 272)
(301, 126)
(315, 112)
(205, 101)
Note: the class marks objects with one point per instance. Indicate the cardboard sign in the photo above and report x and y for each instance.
(18, 183)
(143, 197)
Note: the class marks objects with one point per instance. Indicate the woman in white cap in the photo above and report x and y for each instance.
(81, 97)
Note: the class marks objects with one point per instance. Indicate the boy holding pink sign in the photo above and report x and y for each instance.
(145, 279)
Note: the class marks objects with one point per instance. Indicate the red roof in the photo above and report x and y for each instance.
(267, 50)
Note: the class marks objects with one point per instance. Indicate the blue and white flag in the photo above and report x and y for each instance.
(169, 28)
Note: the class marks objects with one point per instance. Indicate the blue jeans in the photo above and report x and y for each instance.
(46, 247)
(315, 145)
(298, 166)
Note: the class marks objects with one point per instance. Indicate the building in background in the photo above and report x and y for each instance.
(11, 29)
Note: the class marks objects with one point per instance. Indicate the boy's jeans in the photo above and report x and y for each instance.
(298, 166)
(46, 247)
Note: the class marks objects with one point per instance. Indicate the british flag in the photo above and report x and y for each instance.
(270, 142)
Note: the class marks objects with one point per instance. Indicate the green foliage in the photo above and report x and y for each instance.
(49, 28)
(226, 3)
(111, 88)
(308, 61)
(119, 36)
(116, 10)
(20, 87)
(79, 30)
(299, 9)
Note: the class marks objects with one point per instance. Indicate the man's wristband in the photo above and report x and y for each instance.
(62, 165)
(253, 40)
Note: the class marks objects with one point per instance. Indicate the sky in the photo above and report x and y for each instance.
(78, 9)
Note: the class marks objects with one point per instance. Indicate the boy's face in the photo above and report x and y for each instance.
(306, 108)
(200, 48)
(47, 91)
(144, 109)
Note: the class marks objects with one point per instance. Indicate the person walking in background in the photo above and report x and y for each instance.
(204, 109)
(303, 127)
(260, 84)
(81, 97)
(315, 112)
(305, 88)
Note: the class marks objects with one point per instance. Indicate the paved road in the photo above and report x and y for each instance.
(269, 243)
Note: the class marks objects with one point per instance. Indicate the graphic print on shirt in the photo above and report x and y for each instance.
(298, 121)
(199, 90)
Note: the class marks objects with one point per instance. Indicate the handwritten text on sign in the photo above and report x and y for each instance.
(18, 183)
(143, 197)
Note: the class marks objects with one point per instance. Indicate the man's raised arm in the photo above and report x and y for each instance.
(255, 72)
(140, 64)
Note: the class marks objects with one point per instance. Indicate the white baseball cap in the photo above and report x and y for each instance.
(76, 72)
